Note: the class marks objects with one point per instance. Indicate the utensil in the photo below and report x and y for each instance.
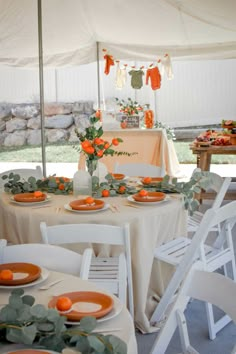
(116, 208)
(112, 208)
(49, 285)
(132, 206)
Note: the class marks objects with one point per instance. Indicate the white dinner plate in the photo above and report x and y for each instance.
(68, 207)
(44, 275)
(131, 199)
(117, 307)
(48, 199)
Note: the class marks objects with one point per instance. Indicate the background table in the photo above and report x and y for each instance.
(70, 283)
(149, 227)
(204, 155)
(151, 145)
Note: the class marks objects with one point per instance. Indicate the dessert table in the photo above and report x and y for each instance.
(118, 322)
(151, 145)
(150, 225)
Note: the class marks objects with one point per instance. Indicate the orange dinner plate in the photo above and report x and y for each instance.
(29, 198)
(23, 273)
(31, 351)
(118, 176)
(85, 303)
(153, 180)
(81, 204)
(151, 197)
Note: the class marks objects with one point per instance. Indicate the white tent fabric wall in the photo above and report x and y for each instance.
(202, 92)
(130, 30)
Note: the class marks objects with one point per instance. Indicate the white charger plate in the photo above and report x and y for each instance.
(116, 310)
(35, 350)
(48, 199)
(68, 207)
(44, 275)
(131, 199)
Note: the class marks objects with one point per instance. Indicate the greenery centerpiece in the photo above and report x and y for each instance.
(94, 147)
(23, 322)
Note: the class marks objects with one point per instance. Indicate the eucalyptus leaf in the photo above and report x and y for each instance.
(39, 311)
(24, 314)
(28, 300)
(28, 334)
(119, 347)
(14, 335)
(45, 327)
(83, 345)
(96, 344)
(88, 324)
(8, 314)
(15, 301)
(18, 291)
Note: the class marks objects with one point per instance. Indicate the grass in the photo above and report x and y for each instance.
(68, 153)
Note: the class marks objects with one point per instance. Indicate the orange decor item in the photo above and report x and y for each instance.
(63, 303)
(29, 197)
(149, 119)
(6, 274)
(118, 176)
(81, 204)
(23, 273)
(85, 303)
(149, 197)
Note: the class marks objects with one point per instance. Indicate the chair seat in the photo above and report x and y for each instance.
(173, 251)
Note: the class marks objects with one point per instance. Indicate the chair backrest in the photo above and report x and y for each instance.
(24, 173)
(219, 185)
(51, 257)
(225, 215)
(198, 284)
(139, 169)
(91, 233)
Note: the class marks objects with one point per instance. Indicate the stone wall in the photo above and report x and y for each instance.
(20, 123)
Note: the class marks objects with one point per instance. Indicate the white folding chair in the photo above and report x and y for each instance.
(48, 256)
(112, 273)
(139, 169)
(182, 252)
(24, 173)
(198, 284)
(219, 185)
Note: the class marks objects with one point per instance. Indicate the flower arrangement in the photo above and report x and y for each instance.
(23, 322)
(129, 107)
(94, 147)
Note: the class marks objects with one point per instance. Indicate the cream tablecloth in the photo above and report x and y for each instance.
(121, 325)
(149, 226)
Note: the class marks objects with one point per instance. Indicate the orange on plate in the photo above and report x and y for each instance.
(81, 204)
(143, 193)
(29, 197)
(91, 303)
(6, 274)
(30, 271)
(118, 176)
(89, 200)
(151, 180)
(63, 303)
(151, 197)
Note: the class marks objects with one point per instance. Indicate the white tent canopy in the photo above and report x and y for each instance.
(128, 29)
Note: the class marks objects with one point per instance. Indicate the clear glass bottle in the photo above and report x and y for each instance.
(148, 118)
(82, 183)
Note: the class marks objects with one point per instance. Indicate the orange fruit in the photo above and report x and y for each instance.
(115, 142)
(147, 180)
(38, 194)
(85, 144)
(100, 153)
(122, 189)
(106, 145)
(6, 274)
(61, 186)
(63, 303)
(89, 200)
(105, 193)
(143, 193)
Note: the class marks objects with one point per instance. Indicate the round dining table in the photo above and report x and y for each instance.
(118, 322)
(150, 226)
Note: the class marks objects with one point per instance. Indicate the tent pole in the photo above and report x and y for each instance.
(98, 77)
(41, 88)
